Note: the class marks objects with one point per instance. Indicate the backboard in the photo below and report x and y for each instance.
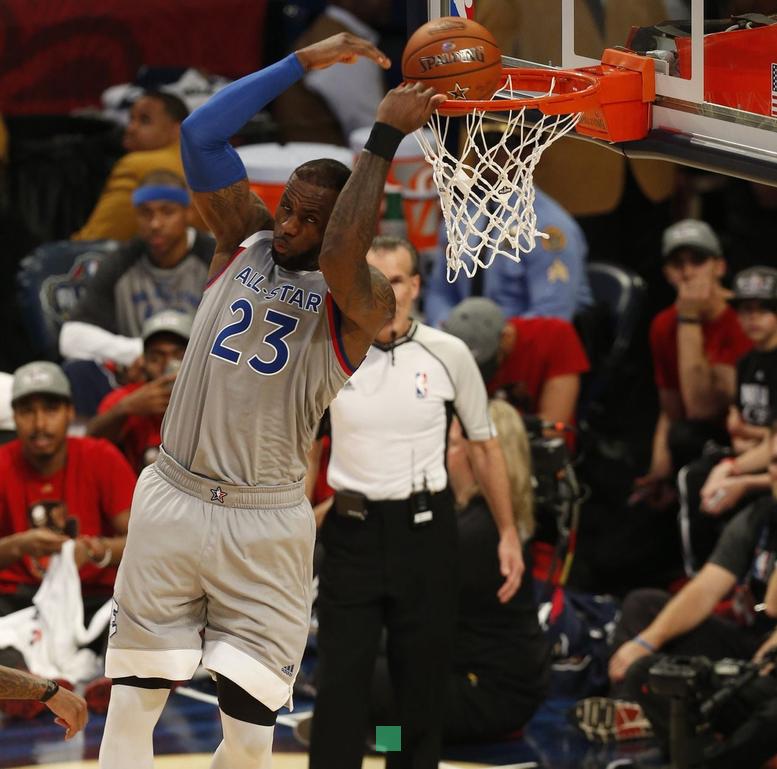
(715, 61)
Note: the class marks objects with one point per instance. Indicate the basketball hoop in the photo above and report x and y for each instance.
(487, 192)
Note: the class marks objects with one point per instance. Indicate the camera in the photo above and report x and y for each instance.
(708, 699)
(557, 493)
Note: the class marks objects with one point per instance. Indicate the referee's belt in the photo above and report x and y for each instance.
(420, 504)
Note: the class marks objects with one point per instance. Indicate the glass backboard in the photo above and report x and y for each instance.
(715, 63)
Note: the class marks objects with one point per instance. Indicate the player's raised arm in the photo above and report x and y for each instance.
(363, 294)
(214, 170)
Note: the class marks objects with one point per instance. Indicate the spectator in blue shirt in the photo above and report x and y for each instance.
(549, 281)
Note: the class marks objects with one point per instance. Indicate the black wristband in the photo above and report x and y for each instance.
(688, 319)
(52, 687)
(384, 140)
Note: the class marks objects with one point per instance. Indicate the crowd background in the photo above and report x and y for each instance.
(88, 160)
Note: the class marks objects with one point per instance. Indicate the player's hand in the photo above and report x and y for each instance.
(625, 656)
(40, 542)
(511, 564)
(151, 399)
(70, 711)
(408, 106)
(343, 48)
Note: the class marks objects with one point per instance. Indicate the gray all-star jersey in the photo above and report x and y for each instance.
(264, 360)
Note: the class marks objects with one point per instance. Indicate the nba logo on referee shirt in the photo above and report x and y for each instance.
(421, 384)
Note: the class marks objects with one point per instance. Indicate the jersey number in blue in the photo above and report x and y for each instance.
(286, 324)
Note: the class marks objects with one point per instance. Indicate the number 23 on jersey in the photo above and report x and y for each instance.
(275, 339)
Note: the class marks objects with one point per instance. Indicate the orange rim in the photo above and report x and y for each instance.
(573, 92)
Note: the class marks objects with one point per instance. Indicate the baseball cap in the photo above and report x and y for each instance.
(40, 378)
(755, 283)
(690, 233)
(169, 321)
(478, 322)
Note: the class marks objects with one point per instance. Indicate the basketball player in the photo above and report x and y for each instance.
(222, 536)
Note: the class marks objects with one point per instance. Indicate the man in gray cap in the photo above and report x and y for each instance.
(54, 487)
(534, 363)
(696, 343)
(131, 416)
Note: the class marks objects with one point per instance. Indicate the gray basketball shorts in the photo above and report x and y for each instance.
(214, 572)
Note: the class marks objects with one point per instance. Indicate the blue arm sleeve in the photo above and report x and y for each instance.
(209, 160)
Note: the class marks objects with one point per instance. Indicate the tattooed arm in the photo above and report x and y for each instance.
(69, 708)
(213, 168)
(362, 293)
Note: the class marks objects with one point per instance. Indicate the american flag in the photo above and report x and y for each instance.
(774, 90)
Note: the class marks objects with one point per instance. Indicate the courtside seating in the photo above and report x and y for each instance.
(607, 333)
(50, 281)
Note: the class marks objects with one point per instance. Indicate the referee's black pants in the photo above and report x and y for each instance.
(383, 572)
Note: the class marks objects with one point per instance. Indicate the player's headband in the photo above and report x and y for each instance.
(151, 192)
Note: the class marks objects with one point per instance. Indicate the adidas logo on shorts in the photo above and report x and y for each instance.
(288, 670)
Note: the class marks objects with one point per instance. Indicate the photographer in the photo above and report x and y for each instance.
(741, 565)
(131, 416)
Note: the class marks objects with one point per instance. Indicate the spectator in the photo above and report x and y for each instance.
(164, 268)
(53, 487)
(328, 104)
(152, 142)
(131, 416)
(687, 623)
(390, 542)
(696, 344)
(723, 480)
(534, 363)
(551, 280)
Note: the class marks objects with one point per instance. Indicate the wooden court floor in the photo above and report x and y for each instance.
(189, 731)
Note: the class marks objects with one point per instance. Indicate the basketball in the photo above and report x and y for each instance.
(455, 56)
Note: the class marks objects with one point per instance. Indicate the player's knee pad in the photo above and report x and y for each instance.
(238, 703)
(143, 683)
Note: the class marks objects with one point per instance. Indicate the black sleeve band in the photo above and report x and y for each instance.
(384, 140)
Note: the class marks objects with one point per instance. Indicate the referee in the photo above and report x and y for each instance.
(390, 537)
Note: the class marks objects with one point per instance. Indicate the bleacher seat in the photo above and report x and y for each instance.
(608, 329)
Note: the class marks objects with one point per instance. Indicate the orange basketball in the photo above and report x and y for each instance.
(455, 56)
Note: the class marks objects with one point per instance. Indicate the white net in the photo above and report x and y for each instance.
(487, 194)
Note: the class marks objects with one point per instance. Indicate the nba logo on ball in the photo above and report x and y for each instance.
(465, 8)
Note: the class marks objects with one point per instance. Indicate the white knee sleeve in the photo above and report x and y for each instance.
(129, 727)
(245, 746)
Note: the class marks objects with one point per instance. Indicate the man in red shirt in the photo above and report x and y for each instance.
(53, 487)
(534, 363)
(695, 343)
(131, 416)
